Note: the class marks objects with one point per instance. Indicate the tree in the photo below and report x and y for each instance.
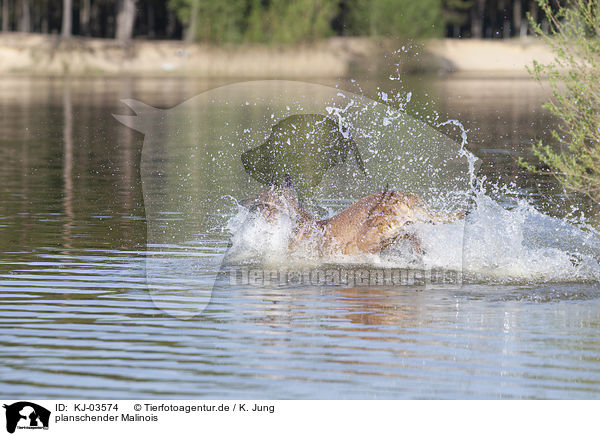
(5, 22)
(67, 18)
(25, 20)
(217, 21)
(42, 15)
(255, 29)
(477, 18)
(302, 20)
(84, 17)
(456, 14)
(190, 33)
(125, 20)
(574, 77)
(396, 18)
(235, 21)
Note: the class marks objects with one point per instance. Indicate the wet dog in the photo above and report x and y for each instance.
(370, 225)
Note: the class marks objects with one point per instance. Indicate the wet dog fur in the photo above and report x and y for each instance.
(369, 225)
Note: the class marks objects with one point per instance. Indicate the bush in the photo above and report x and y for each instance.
(574, 77)
(294, 21)
(396, 18)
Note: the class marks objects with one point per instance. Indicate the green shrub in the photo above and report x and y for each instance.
(258, 21)
(396, 18)
(294, 21)
(574, 77)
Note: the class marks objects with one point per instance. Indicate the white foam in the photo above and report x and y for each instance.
(494, 243)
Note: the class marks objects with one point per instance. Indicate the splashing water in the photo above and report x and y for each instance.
(519, 243)
(495, 243)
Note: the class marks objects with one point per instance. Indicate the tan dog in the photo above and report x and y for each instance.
(368, 226)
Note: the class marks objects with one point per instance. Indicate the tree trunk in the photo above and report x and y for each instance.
(44, 24)
(84, 17)
(477, 16)
(125, 20)
(533, 10)
(517, 18)
(505, 24)
(492, 30)
(190, 34)
(170, 23)
(95, 29)
(5, 22)
(25, 21)
(506, 29)
(151, 20)
(67, 18)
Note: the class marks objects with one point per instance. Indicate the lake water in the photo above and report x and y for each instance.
(78, 320)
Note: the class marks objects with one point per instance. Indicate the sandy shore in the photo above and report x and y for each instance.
(335, 57)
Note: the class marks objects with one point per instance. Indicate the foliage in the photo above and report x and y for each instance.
(574, 76)
(398, 18)
(287, 21)
(456, 11)
(259, 21)
(264, 21)
(216, 21)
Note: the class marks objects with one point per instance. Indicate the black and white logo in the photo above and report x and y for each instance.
(26, 415)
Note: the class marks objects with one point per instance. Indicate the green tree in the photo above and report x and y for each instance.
(258, 21)
(300, 20)
(216, 21)
(255, 30)
(456, 14)
(397, 18)
(574, 76)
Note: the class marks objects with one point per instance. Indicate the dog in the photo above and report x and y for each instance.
(370, 225)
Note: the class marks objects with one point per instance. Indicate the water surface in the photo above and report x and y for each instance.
(77, 320)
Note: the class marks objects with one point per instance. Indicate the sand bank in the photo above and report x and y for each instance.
(335, 57)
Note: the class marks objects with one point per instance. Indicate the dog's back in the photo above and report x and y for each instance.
(367, 226)
(372, 223)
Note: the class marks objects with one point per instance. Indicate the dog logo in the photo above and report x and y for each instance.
(303, 146)
(26, 415)
(202, 156)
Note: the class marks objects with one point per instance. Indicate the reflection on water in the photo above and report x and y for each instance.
(77, 320)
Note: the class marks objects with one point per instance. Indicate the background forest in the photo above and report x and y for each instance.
(270, 21)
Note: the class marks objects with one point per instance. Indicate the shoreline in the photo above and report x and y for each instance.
(340, 57)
